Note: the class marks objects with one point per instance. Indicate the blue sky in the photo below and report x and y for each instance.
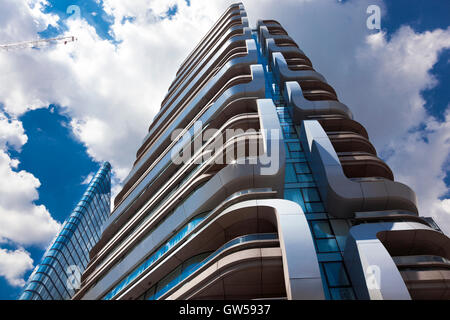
(61, 151)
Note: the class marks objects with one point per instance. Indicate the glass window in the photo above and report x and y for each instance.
(294, 146)
(321, 229)
(302, 167)
(312, 207)
(305, 178)
(310, 194)
(336, 274)
(340, 228)
(168, 282)
(327, 245)
(289, 132)
(294, 195)
(290, 174)
(296, 155)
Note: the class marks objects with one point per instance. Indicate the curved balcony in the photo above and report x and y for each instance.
(189, 228)
(332, 124)
(364, 165)
(221, 117)
(299, 63)
(304, 108)
(350, 142)
(236, 35)
(211, 60)
(270, 29)
(232, 177)
(388, 216)
(315, 90)
(233, 11)
(236, 21)
(239, 248)
(279, 35)
(301, 275)
(276, 30)
(284, 72)
(253, 85)
(237, 87)
(343, 196)
(236, 68)
(374, 244)
(284, 46)
(249, 274)
(268, 22)
(423, 261)
(195, 166)
(412, 261)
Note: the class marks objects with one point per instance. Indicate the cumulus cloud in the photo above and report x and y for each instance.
(111, 91)
(22, 221)
(14, 264)
(11, 133)
(21, 20)
(420, 159)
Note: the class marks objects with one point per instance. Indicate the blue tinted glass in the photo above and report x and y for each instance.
(290, 174)
(321, 229)
(305, 178)
(336, 274)
(294, 146)
(294, 195)
(312, 207)
(327, 245)
(296, 155)
(302, 167)
(310, 195)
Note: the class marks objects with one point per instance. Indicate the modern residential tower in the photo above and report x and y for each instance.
(254, 181)
(59, 272)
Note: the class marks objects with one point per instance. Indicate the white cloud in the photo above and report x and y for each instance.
(21, 20)
(14, 264)
(22, 221)
(420, 160)
(11, 133)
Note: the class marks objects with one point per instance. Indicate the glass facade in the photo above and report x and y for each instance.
(301, 188)
(57, 275)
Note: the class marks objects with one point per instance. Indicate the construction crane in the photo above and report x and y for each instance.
(36, 43)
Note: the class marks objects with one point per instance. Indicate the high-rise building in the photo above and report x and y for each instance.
(255, 182)
(59, 273)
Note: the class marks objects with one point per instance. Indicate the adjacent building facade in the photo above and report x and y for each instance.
(59, 273)
(254, 181)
